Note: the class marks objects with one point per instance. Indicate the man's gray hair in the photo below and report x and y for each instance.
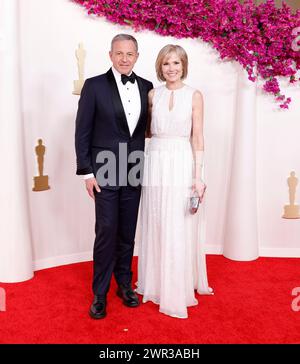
(124, 37)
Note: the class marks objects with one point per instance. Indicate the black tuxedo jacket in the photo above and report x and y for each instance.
(101, 124)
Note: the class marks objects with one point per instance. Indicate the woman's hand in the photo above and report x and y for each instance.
(199, 187)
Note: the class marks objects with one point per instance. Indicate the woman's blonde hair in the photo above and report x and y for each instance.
(165, 51)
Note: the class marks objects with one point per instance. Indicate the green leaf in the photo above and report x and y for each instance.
(128, 21)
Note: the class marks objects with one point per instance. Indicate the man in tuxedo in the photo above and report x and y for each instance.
(111, 121)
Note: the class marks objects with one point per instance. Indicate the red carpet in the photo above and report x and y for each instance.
(252, 304)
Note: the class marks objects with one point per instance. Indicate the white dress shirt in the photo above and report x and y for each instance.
(131, 101)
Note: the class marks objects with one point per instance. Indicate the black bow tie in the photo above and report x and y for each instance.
(125, 78)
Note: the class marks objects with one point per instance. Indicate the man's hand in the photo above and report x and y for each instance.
(90, 183)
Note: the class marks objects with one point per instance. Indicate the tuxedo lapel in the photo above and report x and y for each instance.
(117, 104)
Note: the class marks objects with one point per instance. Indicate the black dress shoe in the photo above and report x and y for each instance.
(98, 308)
(129, 297)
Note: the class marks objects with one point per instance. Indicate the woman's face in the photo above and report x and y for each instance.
(172, 68)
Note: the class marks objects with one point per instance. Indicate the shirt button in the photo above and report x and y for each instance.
(129, 113)
(128, 100)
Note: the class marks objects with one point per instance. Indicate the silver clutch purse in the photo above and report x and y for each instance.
(195, 201)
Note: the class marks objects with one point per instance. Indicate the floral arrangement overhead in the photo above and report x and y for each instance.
(264, 39)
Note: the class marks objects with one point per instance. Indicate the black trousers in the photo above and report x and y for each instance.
(116, 218)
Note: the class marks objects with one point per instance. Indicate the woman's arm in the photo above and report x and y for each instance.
(198, 140)
(148, 128)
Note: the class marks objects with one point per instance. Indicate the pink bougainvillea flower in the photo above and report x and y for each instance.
(259, 37)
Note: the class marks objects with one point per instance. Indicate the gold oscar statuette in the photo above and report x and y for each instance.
(40, 181)
(80, 54)
(292, 211)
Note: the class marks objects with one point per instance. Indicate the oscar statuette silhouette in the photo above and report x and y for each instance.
(41, 181)
(292, 211)
(80, 55)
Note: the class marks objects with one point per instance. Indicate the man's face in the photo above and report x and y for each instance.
(123, 56)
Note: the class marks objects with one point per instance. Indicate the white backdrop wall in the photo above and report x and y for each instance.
(62, 218)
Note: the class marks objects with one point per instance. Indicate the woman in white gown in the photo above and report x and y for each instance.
(171, 263)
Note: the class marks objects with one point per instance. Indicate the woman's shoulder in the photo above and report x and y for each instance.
(156, 91)
(194, 90)
(196, 94)
(159, 88)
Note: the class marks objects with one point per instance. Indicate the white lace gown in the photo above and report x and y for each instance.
(171, 257)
